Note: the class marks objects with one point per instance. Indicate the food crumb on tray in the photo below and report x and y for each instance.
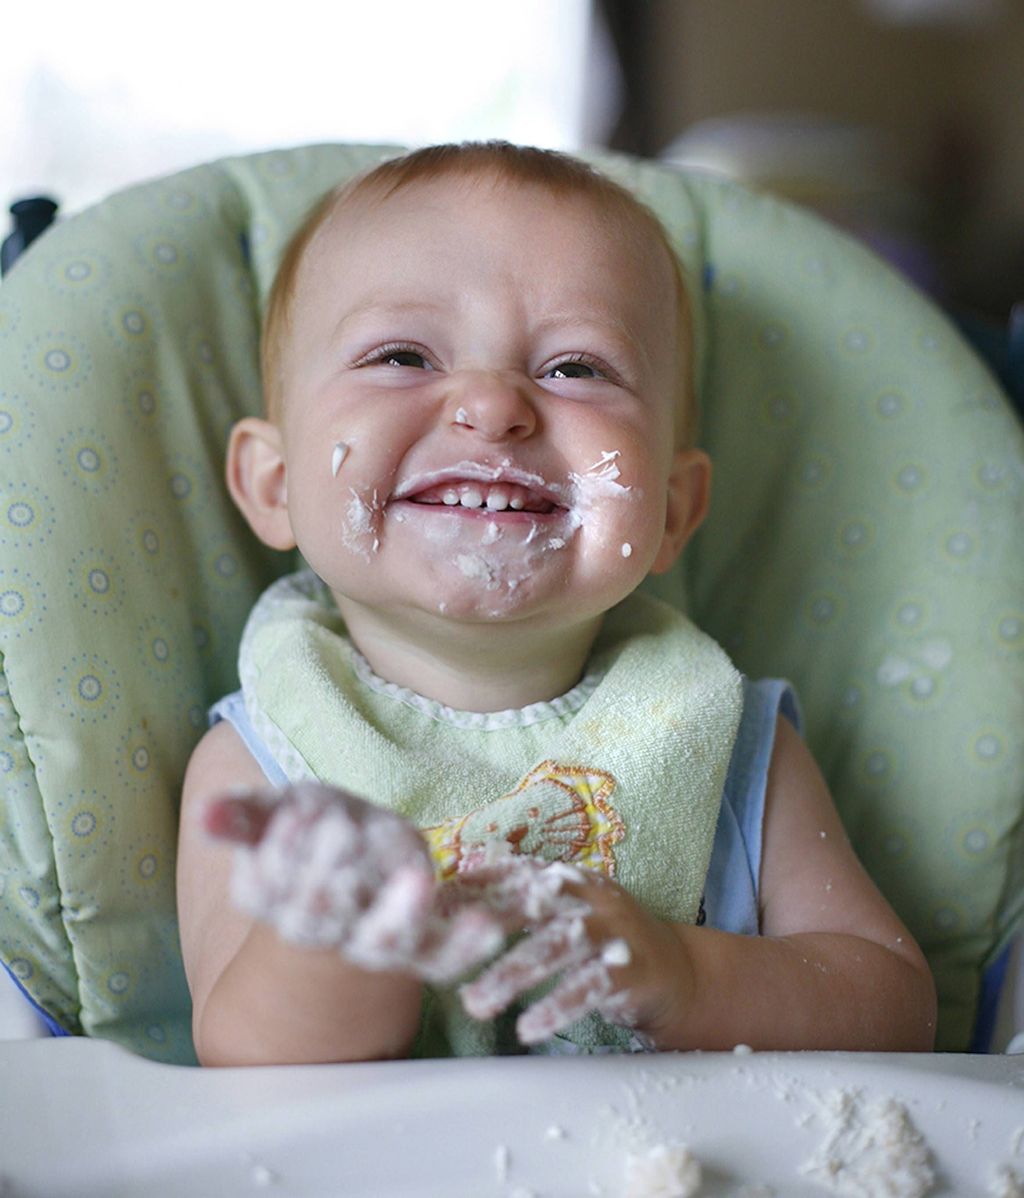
(872, 1150)
(1006, 1183)
(665, 1171)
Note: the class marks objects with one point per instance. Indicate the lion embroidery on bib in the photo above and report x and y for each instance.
(556, 813)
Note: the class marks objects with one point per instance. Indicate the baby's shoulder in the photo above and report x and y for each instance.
(220, 762)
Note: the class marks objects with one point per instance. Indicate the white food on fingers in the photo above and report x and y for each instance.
(528, 893)
(616, 952)
(334, 871)
(389, 933)
(548, 951)
(589, 987)
(458, 945)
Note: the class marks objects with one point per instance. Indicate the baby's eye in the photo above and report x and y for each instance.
(396, 355)
(573, 369)
(404, 357)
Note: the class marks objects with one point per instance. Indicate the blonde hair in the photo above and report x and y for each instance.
(503, 162)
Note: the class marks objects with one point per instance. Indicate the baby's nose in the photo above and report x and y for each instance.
(494, 405)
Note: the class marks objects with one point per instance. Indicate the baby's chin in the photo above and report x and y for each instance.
(496, 581)
(501, 605)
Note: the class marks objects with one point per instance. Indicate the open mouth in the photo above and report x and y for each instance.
(490, 496)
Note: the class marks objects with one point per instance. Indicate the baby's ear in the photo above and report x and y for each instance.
(257, 480)
(689, 493)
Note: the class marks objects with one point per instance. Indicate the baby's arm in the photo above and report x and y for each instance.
(834, 967)
(308, 918)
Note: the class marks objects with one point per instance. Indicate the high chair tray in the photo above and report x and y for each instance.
(86, 1119)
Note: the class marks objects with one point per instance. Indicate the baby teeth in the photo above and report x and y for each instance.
(496, 497)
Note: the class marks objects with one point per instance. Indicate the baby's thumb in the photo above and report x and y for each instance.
(240, 818)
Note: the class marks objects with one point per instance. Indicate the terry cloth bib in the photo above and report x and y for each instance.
(624, 774)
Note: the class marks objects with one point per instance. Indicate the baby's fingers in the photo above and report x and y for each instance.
(459, 945)
(388, 934)
(240, 818)
(559, 945)
(588, 988)
(521, 890)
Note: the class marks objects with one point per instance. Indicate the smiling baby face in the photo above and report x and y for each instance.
(477, 418)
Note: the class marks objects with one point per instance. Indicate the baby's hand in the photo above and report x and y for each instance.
(613, 956)
(327, 869)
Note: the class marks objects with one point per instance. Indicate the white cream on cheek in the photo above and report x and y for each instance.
(361, 529)
(598, 482)
(338, 456)
(362, 520)
(592, 491)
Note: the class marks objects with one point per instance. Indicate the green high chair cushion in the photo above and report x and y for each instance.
(865, 541)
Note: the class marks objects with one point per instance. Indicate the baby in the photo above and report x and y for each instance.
(461, 723)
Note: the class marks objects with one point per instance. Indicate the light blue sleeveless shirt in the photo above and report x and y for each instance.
(731, 888)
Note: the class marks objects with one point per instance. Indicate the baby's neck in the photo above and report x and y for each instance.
(474, 667)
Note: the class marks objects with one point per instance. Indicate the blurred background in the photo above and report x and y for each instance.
(903, 120)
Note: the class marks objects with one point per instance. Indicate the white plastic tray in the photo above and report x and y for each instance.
(84, 1119)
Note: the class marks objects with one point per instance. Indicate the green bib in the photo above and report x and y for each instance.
(624, 774)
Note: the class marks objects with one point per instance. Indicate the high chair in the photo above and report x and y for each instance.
(865, 541)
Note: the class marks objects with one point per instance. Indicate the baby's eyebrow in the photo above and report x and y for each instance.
(371, 309)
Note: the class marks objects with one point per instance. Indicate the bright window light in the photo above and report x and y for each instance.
(97, 95)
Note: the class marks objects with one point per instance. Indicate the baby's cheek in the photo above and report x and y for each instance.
(614, 557)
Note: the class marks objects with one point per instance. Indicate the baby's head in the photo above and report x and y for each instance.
(500, 164)
(477, 368)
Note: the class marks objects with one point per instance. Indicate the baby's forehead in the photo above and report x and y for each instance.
(370, 203)
(552, 240)
(615, 235)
